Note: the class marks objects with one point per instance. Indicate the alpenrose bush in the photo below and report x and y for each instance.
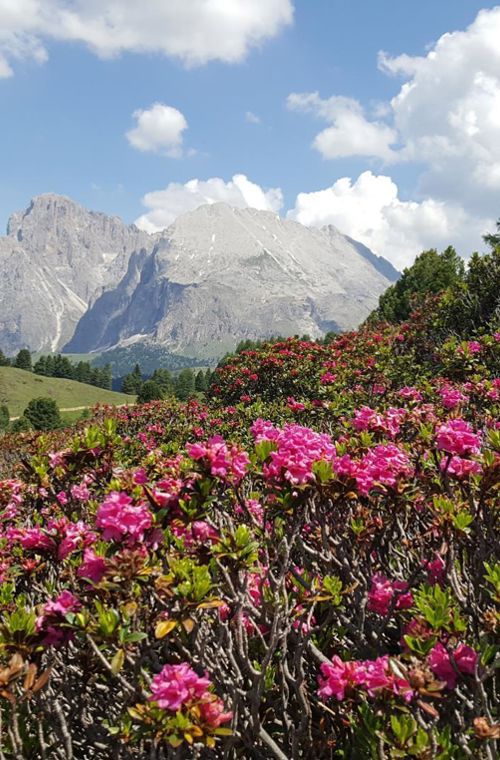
(311, 572)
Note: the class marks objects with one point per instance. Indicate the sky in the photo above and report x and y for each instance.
(382, 118)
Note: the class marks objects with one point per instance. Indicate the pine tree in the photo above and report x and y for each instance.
(164, 380)
(23, 360)
(40, 366)
(200, 384)
(4, 360)
(132, 382)
(184, 384)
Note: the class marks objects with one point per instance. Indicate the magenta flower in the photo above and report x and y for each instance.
(119, 518)
(383, 591)
(457, 437)
(93, 567)
(339, 676)
(176, 685)
(440, 662)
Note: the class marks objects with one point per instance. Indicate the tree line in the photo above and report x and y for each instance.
(162, 384)
(62, 367)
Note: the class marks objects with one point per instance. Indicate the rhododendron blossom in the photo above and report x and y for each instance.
(297, 448)
(372, 676)
(119, 518)
(383, 591)
(223, 462)
(176, 685)
(457, 437)
(464, 662)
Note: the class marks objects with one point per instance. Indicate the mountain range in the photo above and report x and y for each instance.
(81, 281)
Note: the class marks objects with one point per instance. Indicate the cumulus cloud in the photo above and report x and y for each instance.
(159, 129)
(445, 116)
(193, 31)
(371, 211)
(350, 133)
(164, 206)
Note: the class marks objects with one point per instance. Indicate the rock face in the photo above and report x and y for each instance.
(220, 274)
(55, 259)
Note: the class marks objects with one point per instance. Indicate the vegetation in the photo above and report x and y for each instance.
(306, 566)
(23, 360)
(83, 372)
(123, 360)
(431, 273)
(18, 387)
(43, 414)
(149, 391)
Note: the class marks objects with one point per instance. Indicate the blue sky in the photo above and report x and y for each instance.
(67, 111)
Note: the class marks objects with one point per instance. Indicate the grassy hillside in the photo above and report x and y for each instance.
(18, 387)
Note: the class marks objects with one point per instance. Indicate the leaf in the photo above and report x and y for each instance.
(164, 628)
(118, 661)
(188, 624)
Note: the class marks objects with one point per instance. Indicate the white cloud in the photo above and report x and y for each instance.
(252, 118)
(448, 113)
(159, 130)
(164, 206)
(445, 116)
(370, 211)
(350, 133)
(193, 31)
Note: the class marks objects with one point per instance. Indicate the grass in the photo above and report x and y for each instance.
(18, 387)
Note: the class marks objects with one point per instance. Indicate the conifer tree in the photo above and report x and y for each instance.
(23, 360)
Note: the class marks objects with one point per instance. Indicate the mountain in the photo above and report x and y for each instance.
(221, 274)
(55, 259)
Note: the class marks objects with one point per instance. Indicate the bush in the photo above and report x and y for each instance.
(149, 391)
(4, 418)
(21, 425)
(306, 568)
(43, 414)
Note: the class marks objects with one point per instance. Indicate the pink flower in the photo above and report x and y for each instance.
(93, 567)
(339, 676)
(384, 590)
(65, 602)
(225, 463)
(295, 406)
(383, 464)
(212, 713)
(452, 397)
(411, 393)
(460, 468)
(80, 492)
(176, 685)
(328, 378)
(464, 657)
(435, 570)
(118, 518)
(457, 437)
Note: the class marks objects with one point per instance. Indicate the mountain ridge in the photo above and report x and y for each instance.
(221, 274)
(78, 280)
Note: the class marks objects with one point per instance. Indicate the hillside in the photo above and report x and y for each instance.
(18, 387)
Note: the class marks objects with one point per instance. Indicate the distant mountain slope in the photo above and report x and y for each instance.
(18, 387)
(55, 258)
(220, 274)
